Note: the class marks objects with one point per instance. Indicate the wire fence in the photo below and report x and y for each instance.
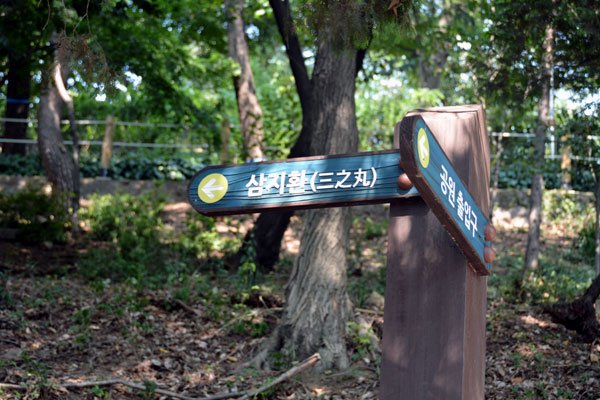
(551, 155)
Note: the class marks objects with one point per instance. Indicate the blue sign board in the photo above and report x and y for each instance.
(438, 183)
(311, 182)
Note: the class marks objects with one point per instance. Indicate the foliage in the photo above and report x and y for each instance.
(361, 339)
(17, 164)
(564, 270)
(135, 166)
(131, 243)
(200, 238)
(586, 241)
(38, 216)
(132, 230)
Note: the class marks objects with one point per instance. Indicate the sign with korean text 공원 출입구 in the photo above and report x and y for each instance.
(311, 182)
(439, 185)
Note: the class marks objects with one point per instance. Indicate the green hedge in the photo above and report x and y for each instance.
(162, 167)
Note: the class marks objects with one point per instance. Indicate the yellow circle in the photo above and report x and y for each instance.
(423, 147)
(212, 188)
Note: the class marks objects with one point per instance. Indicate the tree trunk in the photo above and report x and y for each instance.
(597, 252)
(17, 102)
(432, 63)
(496, 184)
(60, 75)
(249, 109)
(431, 68)
(580, 314)
(269, 228)
(317, 304)
(537, 180)
(55, 158)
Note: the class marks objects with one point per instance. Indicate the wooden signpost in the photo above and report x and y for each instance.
(438, 253)
(434, 329)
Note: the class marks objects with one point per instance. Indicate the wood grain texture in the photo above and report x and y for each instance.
(434, 331)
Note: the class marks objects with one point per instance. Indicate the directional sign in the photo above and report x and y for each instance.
(435, 178)
(311, 182)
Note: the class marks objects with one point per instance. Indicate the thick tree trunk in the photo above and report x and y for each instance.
(55, 157)
(580, 314)
(317, 304)
(249, 109)
(17, 102)
(537, 180)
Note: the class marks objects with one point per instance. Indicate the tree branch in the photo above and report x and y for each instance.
(245, 395)
(285, 25)
(309, 362)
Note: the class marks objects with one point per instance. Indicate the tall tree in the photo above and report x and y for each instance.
(317, 305)
(537, 180)
(249, 110)
(57, 161)
(21, 46)
(529, 43)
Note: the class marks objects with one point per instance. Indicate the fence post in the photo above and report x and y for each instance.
(109, 131)
(565, 163)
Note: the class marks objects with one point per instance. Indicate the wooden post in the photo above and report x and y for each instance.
(565, 163)
(109, 131)
(434, 330)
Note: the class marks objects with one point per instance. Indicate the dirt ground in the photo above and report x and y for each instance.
(60, 330)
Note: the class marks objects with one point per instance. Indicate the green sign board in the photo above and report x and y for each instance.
(311, 182)
(435, 178)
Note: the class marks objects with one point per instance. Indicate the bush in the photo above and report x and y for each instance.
(37, 215)
(586, 241)
(16, 164)
(132, 231)
(136, 166)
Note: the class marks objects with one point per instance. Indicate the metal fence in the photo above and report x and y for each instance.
(552, 154)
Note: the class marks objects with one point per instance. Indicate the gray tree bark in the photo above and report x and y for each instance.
(317, 305)
(249, 109)
(60, 74)
(537, 180)
(55, 157)
(431, 65)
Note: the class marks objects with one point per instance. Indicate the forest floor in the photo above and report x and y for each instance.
(56, 328)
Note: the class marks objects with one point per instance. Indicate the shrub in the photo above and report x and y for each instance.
(132, 230)
(137, 166)
(37, 215)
